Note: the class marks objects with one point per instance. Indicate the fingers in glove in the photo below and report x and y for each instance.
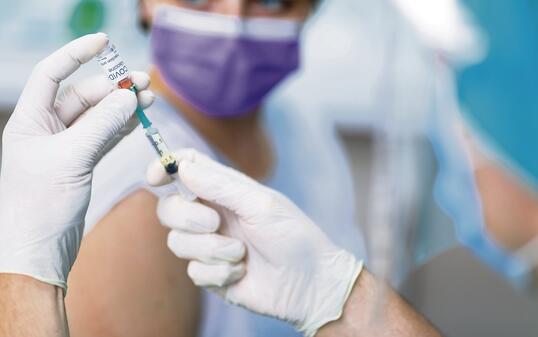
(93, 132)
(42, 87)
(145, 98)
(215, 275)
(75, 99)
(132, 123)
(176, 213)
(225, 186)
(207, 248)
(157, 176)
(217, 183)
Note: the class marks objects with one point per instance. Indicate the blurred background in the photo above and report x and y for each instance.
(369, 66)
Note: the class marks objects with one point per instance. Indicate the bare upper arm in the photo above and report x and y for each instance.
(126, 282)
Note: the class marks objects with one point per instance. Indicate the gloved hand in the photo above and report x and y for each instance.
(253, 246)
(50, 146)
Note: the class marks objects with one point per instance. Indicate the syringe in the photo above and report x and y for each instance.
(116, 70)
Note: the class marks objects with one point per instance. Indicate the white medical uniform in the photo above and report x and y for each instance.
(311, 170)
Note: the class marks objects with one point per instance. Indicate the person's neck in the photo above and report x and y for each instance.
(239, 139)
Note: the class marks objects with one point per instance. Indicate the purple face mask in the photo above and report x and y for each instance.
(223, 65)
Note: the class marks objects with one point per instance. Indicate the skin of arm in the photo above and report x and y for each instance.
(361, 314)
(30, 308)
(126, 282)
(510, 207)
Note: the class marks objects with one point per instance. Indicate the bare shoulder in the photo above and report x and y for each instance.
(126, 282)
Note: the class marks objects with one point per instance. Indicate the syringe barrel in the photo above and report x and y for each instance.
(114, 67)
(157, 141)
(168, 161)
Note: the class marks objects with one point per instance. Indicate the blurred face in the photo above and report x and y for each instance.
(288, 9)
(226, 74)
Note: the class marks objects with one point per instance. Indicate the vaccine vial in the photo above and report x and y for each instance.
(117, 72)
(114, 67)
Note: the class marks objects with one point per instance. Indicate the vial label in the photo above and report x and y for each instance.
(115, 68)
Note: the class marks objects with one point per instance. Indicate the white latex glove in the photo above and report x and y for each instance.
(253, 246)
(50, 146)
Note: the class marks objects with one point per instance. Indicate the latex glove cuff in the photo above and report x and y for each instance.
(49, 260)
(338, 279)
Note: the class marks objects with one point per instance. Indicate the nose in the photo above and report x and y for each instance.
(230, 7)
